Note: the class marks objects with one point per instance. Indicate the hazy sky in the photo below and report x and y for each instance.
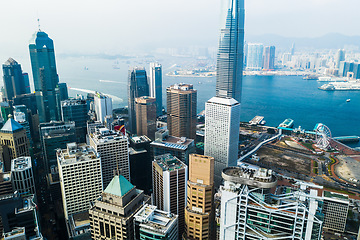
(114, 26)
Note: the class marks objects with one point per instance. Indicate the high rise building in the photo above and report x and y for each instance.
(20, 117)
(336, 207)
(5, 110)
(181, 102)
(22, 176)
(154, 224)
(76, 110)
(14, 142)
(250, 211)
(199, 212)
(140, 163)
(14, 80)
(137, 87)
(176, 146)
(112, 215)
(222, 123)
(27, 83)
(340, 56)
(229, 65)
(80, 177)
(53, 136)
(255, 56)
(5, 183)
(269, 58)
(45, 76)
(103, 106)
(63, 91)
(145, 110)
(155, 86)
(170, 177)
(114, 151)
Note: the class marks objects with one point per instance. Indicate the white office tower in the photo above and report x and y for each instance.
(255, 56)
(250, 211)
(103, 106)
(22, 176)
(114, 152)
(155, 85)
(222, 126)
(80, 177)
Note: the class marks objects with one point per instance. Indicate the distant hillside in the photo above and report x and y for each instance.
(328, 41)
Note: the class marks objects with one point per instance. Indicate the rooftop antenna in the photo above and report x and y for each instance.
(38, 20)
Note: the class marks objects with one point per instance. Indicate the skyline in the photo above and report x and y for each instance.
(106, 29)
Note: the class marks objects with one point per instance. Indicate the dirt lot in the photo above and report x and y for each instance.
(348, 168)
(284, 160)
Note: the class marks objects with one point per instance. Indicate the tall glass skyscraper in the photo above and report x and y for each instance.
(231, 47)
(155, 85)
(137, 87)
(46, 79)
(14, 79)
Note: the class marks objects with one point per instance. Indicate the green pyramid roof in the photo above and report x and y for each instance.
(119, 186)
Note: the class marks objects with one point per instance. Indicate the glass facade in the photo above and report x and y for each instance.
(231, 46)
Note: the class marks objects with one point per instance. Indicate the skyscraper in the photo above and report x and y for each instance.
(22, 176)
(14, 80)
(155, 85)
(137, 87)
(255, 56)
(45, 76)
(145, 108)
(269, 58)
(199, 212)
(340, 56)
(229, 65)
(222, 124)
(249, 210)
(170, 176)
(181, 102)
(103, 106)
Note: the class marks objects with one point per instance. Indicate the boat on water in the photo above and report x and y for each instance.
(287, 123)
(341, 86)
(348, 100)
(310, 77)
(333, 79)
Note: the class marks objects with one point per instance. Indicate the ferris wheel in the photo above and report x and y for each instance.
(323, 136)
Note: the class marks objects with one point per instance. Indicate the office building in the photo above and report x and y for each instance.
(340, 57)
(181, 105)
(46, 79)
(222, 123)
(269, 58)
(176, 146)
(250, 211)
(170, 177)
(20, 117)
(5, 110)
(112, 215)
(336, 207)
(63, 91)
(154, 224)
(5, 183)
(14, 142)
(140, 163)
(103, 106)
(349, 69)
(145, 110)
(80, 177)
(199, 212)
(114, 151)
(78, 225)
(137, 87)
(22, 176)
(14, 80)
(29, 100)
(155, 86)
(19, 212)
(76, 110)
(53, 136)
(229, 64)
(255, 56)
(27, 83)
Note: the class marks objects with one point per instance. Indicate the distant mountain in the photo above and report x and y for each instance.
(328, 41)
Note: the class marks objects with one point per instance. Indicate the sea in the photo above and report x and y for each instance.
(274, 97)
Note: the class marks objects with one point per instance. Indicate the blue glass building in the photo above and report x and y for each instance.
(45, 76)
(14, 80)
(229, 65)
(137, 87)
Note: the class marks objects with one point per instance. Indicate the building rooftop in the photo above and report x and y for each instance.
(10, 61)
(150, 218)
(179, 143)
(169, 163)
(250, 175)
(20, 163)
(75, 153)
(73, 102)
(119, 186)
(5, 177)
(16, 233)
(11, 126)
(140, 139)
(181, 87)
(336, 196)
(56, 128)
(103, 135)
(223, 101)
